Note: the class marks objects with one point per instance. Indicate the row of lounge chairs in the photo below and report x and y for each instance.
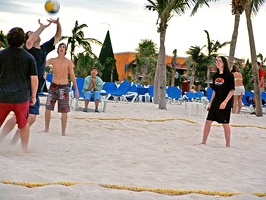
(129, 92)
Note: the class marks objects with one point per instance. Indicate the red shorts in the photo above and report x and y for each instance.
(21, 111)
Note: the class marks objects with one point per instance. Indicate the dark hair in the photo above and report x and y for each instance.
(225, 62)
(233, 68)
(62, 43)
(27, 36)
(1, 38)
(94, 68)
(16, 37)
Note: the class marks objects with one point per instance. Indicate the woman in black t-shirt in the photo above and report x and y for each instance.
(221, 102)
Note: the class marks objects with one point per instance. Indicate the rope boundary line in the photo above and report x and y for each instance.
(169, 119)
(134, 189)
(137, 119)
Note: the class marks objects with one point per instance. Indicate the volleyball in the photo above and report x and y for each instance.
(52, 6)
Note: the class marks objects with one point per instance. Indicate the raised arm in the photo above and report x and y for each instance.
(58, 33)
(35, 35)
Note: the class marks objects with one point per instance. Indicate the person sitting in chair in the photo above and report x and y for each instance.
(252, 102)
(93, 84)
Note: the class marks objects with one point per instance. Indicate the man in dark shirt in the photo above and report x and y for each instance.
(18, 80)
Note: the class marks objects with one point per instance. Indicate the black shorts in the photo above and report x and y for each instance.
(221, 116)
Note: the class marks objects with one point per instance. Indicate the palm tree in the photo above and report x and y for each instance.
(84, 64)
(144, 63)
(4, 43)
(174, 65)
(262, 59)
(193, 61)
(212, 49)
(197, 60)
(165, 10)
(237, 10)
(77, 39)
(253, 7)
(247, 76)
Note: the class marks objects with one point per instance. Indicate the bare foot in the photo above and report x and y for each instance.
(45, 131)
(25, 149)
(200, 143)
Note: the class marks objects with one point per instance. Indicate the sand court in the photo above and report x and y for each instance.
(135, 151)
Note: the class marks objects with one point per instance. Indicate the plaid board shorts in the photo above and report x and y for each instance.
(59, 93)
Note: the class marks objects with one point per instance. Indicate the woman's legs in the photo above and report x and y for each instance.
(239, 103)
(235, 103)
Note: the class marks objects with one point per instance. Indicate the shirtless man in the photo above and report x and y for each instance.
(58, 90)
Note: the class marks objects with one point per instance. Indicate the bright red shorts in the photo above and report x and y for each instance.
(21, 111)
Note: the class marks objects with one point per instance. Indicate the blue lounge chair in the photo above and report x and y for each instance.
(143, 92)
(132, 94)
(108, 88)
(209, 93)
(49, 77)
(150, 93)
(263, 97)
(174, 94)
(190, 96)
(199, 94)
(245, 98)
(122, 92)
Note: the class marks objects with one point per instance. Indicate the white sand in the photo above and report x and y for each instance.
(122, 147)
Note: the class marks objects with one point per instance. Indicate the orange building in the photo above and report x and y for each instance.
(124, 58)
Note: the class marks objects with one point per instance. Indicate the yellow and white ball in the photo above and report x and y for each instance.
(52, 6)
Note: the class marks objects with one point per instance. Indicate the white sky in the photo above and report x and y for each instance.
(128, 22)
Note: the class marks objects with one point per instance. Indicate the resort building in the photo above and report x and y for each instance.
(124, 58)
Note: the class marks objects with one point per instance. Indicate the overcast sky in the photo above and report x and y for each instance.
(128, 22)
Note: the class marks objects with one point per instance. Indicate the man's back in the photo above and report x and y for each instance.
(15, 67)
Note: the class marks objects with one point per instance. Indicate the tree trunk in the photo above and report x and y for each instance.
(208, 76)
(112, 76)
(234, 40)
(156, 84)
(257, 96)
(174, 65)
(161, 67)
(192, 77)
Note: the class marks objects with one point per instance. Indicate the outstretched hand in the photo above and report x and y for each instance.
(44, 25)
(55, 21)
